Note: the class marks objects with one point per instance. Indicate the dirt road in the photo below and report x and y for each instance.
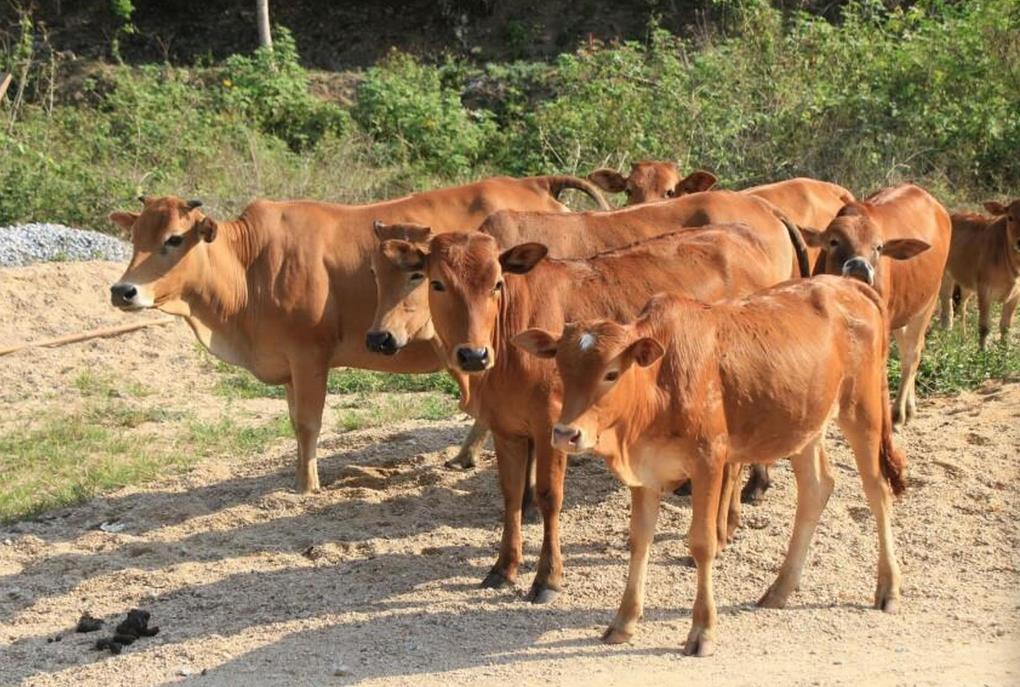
(374, 580)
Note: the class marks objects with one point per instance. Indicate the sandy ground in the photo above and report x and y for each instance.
(374, 580)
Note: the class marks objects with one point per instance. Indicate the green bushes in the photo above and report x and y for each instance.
(931, 93)
(416, 118)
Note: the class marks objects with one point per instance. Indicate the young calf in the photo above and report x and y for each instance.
(690, 388)
(479, 298)
(652, 180)
(897, 241)
(984, 257)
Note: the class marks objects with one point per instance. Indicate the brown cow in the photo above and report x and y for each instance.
(652, 180)
(479, 299)
(403, 315)
(984, 257)
(690, 388)
(285, 290)
(897, 241)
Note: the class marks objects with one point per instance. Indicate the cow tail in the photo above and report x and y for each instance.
(891, 460)
(799, 247)
(556, 184)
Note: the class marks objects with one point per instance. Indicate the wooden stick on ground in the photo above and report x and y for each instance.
(85, 336)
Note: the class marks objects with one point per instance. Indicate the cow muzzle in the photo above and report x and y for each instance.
(473, 358)
(860, 269)
(126, 296)
(568, 438)
(382, 342)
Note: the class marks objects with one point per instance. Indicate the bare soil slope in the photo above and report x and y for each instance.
(374, 580)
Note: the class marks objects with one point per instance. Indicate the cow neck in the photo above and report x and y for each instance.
(224, 296)
(1009, 256)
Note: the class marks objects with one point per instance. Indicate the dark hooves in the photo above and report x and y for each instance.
(542, 594)
(460, 463)
(495, 580)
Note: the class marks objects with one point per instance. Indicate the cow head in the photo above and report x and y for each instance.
(853, 245)
(168, 237)
(402, 297)
(651, 180)
(1012, 215)
(596, 362)
(466, 274)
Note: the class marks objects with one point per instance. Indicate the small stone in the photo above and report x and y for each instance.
(185, 671)
(341, 670)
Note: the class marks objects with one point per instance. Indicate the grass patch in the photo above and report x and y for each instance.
(952, 362)
(96, 384)
(236, 382)
(364, 410)
(64, 458)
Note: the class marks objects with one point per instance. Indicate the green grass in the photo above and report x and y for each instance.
(64, 458)
(235, 382)
(952, 362)
(364, 410)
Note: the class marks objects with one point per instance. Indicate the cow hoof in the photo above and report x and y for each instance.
(698, 644)
(684, 489)
(752, 494)
(772, 599)
(495, 580)
(886, 601)
(542, 594)
(462, 461)
(615, 636)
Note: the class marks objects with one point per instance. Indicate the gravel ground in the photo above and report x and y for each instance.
(23, 244)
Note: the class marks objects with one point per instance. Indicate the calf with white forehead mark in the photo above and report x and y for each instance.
(586, 341)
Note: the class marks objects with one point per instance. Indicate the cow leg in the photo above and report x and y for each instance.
(961, 309)
(814, 486)
(467, 457)
(512, 466)
(862, 429)
(946, 301)
(706, 485)
(550, 470)
(644, 511)
(729, 505)
(306, 396)
(1008, 308)
(757, 484)
(910, 340)
(984, 316)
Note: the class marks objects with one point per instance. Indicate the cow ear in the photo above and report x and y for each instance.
(608, 180)
(645, 351)
(537, 342)
(403, 254)
(207, 229)
(696, 181)
(812, 237)
(901, 249)
(522, 258)
(995, 207)
(125, 220)
(415, 233)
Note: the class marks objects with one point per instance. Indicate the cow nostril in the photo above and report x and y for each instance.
(123, 292)
(472, 358)
(130, 293)
(381, 342)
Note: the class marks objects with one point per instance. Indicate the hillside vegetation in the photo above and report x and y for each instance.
(930, 93)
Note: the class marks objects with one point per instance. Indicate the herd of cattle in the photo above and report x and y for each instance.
(679, 338)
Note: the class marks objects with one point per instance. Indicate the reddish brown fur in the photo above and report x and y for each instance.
(690, 388)
(899, 239)
(285, 290)
(652, 180)
(984, 258)
(481, 306)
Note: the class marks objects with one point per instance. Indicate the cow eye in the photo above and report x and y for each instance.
(438, 286)
(670, 193)
(498, 287)
(833, 242)
(418, 276)
(612, 376)
(174, 241)
(878, 248)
